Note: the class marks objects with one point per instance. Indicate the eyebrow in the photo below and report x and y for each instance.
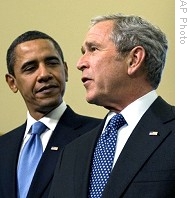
(89, 44)
(52, 58)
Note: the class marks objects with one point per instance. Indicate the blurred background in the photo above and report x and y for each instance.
(67, 22)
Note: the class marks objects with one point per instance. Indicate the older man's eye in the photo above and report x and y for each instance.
(93, 48)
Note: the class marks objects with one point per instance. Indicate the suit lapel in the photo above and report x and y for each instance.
(64, 132)
(11, 145)
(85, 150)
(139, 148)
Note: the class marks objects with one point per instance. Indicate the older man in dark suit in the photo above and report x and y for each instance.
(132, 154)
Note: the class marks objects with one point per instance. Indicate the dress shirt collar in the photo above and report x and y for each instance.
(50, 120)
(133, 112)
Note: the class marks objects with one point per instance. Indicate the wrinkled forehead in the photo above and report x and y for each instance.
(101, 31)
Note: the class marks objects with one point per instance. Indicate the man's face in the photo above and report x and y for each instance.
(40, 75)
(103, 72)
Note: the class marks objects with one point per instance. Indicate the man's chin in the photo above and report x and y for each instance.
(47, 106)
(93, 100)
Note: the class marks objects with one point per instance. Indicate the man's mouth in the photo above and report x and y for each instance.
(85, 79)
(46, 88)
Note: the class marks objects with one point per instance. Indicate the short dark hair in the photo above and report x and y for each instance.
(28, 36)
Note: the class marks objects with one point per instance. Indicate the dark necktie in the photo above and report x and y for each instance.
(29, 159)
(104, 156)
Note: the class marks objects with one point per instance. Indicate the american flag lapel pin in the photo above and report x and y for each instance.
(54, 148)
(153, 133)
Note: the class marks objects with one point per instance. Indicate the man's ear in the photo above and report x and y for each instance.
(11, 81)
(66, 71)
(135, 59)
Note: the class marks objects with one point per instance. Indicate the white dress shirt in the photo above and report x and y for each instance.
(132, 114)
(50, 120)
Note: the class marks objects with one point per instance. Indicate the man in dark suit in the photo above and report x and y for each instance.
(122, 62)
(36, 68)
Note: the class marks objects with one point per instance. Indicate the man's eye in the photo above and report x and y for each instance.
(29, 68)
(53, 62)
(93, 48)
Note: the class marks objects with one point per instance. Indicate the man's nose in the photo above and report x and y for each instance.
(44, 73)
(82, 63)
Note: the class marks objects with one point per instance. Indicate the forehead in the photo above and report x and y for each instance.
(34, 46)
(100, 31)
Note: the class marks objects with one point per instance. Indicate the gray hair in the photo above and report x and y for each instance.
(131, 31)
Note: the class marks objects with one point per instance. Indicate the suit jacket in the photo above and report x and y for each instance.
(144, 169)
(69, 127)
